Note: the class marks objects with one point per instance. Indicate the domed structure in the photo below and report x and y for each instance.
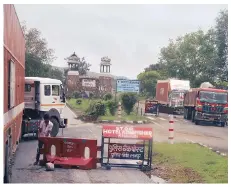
(72, 61)
(105, 64)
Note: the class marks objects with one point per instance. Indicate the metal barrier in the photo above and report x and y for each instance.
(69, 152)
(127, 151)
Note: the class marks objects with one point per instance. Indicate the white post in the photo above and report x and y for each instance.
(119, 110)
(171, 130)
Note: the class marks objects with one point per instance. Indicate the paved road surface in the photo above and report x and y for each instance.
(185, 131)
(213, 136)
(25, 172)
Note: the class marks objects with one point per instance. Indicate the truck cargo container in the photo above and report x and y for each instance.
(14, 73)
(170, 94)
(206, 104)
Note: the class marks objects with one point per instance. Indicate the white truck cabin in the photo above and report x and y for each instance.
(42, 94)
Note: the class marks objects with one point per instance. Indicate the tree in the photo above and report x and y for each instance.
(36, 45)
(221, 34)
(38, 56)
(191, 57)
(148, 81)
(128, 102)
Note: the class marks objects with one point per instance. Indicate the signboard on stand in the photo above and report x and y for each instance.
(127, 132)
(128, 86)
(127, 151)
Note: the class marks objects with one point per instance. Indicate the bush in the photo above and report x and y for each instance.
(107, 96)
(128, 102)
(78, 101)
(96, 109)
(91, 95)
(112, 106)
(76, 95)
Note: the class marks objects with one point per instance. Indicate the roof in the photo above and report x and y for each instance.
(43, 80)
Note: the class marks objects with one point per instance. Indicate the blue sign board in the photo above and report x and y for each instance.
(128, 86)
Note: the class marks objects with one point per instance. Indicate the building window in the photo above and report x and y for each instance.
(47, 90)
(11, 84)
(27, 88)
(55, 90)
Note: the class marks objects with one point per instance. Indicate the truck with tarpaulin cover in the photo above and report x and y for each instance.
(170, 95)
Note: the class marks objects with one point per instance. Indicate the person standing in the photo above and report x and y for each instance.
(45, 129)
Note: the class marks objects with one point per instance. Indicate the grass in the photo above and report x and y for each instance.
(82, 107)
(86, 102)
(189, 163)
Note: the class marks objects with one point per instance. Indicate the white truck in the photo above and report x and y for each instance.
(43, 95)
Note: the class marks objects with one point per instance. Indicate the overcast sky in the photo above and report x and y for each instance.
(131, 35)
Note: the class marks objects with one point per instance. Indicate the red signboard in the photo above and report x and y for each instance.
(130, 132)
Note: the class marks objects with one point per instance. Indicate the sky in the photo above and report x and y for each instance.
(130, 35)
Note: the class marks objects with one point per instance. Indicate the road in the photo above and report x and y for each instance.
(185, 130)
(25, 172)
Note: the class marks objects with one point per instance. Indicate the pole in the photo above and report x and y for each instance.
(119, 110)
(171, 129)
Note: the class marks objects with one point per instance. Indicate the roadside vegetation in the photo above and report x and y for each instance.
(189, 163)
(105, 108)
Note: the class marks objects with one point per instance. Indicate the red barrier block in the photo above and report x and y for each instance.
(70, 152)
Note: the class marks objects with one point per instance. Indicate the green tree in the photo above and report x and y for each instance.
(38, 56)
(128, 102)
(191, 57)
(221, 36)
(148, 80)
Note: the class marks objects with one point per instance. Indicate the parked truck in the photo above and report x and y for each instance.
(206, 104)
(170, 95)
(43, 95)
(14, 73)
(25, 99)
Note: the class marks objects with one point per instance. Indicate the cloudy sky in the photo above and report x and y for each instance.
(131, 35)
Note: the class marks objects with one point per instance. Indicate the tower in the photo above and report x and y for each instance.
(105, 65)
(73, 62)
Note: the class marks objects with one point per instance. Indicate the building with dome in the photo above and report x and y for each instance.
(96, 83)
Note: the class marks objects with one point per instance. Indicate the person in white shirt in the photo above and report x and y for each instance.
(45, 129)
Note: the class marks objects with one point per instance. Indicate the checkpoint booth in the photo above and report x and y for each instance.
(116, 146)
(151, 107)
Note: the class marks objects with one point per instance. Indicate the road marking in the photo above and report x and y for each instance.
(162, 119)
(151, 118)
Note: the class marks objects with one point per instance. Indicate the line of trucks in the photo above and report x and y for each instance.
(26, 99)
(205, 103)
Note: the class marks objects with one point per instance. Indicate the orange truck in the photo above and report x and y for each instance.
(14, 83)
(170, 95)
(206, 104)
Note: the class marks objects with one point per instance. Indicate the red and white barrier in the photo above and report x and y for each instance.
(119, 110)
(171, 130)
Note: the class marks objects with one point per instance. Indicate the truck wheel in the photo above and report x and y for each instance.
(222, 124)
(193, 115)
(55, 129)
(184, 113)
(197, 122)
(8, 170)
